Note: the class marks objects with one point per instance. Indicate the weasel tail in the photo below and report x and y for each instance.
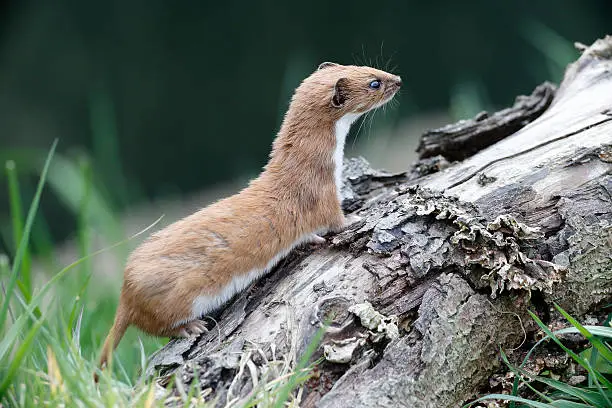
(114, 336)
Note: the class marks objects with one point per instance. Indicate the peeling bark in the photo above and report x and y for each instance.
(431, 279)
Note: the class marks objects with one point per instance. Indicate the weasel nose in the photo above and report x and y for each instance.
(398, 81)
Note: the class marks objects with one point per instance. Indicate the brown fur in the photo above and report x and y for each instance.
(295, 195)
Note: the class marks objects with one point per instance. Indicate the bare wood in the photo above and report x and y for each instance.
(449, 265)
(462, 139)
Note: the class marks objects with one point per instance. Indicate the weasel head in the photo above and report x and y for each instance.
(347, 89)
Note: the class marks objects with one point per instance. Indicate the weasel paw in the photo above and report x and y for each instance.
(317, 239)
(193, 328)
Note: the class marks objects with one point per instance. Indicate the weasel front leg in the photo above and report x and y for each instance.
(345, 223)
(340, 225)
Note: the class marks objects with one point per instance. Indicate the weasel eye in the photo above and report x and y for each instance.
(375, 84)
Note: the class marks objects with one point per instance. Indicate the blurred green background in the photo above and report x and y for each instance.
(167, 98)
(158, 101)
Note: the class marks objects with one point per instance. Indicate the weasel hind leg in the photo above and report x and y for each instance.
(193, 328)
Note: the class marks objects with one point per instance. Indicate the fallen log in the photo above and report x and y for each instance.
(436, 274)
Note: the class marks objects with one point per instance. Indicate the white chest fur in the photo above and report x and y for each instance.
(342, 128)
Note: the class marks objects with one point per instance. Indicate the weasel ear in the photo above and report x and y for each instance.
(340, 93)
(326, 65)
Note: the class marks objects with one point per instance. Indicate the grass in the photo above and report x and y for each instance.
(50, 335)
(469, 96)
(596, 360)
(558, 52)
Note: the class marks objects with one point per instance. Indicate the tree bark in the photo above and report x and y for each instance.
(422, 290)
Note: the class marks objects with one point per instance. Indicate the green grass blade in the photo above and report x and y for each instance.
(597, 330)
(593, 358)
(17, 225)
(600, 331)
(121, 368)
(296, 377)
(468, 98)
(518, 374)
(24, 290)
(597, 343)
(42, 244)
(37, 299)
(5, 270)
(596, 361)
(584, 363)
(588, 397)
(569, 404)
(21, 353)
(23, 244)
(66, 180)
(76, 331)
(603, 392)
(143, 362)
(558, 50)
(514, 398)
(78, 303)
(585, 395)
(83, 235)
(105, 144)
(27, 297)
(608, 321)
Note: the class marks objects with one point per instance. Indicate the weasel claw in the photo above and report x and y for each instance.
(197, 327)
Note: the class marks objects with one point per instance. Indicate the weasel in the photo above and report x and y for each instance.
(195, 265)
